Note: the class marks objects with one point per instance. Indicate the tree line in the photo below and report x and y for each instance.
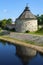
(40, 19)
(4, 22)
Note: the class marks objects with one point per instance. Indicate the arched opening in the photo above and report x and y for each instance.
(27, 31)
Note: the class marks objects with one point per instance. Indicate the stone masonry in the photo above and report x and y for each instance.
(26, 22)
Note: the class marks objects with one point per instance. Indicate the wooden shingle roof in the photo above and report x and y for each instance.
(26, 14)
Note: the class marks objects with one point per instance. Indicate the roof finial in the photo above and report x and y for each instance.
(26, 8)
(26, 4)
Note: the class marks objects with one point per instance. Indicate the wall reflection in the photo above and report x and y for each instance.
(25, 54)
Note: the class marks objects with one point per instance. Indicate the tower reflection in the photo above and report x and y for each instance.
(25, 54)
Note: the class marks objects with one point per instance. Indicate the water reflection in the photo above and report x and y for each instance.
(2, 42)
(19, 55)
(41, 54)
(25, 54)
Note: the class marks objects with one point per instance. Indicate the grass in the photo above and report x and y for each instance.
(1, 31)
(20, 42)
(32, 42)
(25, 41)
(39, 32)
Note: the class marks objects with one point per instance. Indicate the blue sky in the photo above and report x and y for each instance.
(13, 8)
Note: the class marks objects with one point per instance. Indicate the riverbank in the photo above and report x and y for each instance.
(18, 42)
(35, 39)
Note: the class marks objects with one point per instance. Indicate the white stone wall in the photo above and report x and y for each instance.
(32, 25)
(24, 25)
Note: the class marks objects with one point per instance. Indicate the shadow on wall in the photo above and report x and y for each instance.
(27, 31)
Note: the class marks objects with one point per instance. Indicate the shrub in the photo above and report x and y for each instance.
(0, 29)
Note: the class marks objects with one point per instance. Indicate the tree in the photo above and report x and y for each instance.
(39, 20)
(0, 23)
(3, 23)
(41, 17)
(9, 21)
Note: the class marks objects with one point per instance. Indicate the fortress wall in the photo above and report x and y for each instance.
(24, 25)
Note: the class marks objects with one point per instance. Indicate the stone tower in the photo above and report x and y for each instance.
(26, 21)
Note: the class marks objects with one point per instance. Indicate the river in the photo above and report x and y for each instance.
(19, 55)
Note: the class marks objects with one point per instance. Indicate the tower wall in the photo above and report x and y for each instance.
(24, 25)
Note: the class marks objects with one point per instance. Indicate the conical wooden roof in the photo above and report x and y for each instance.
(26, 14)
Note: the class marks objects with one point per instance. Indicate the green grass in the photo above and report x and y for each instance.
(0, 29)
(39, 32)
(31, 42)
(25, 41)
